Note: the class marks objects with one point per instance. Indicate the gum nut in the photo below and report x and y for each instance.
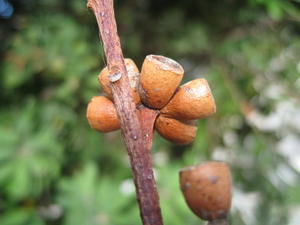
(160, 77)
(133, 76)
(207, 189)
(193, 100)
(102, 115)
(179, 132)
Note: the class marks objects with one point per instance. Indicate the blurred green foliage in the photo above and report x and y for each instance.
(55, 170)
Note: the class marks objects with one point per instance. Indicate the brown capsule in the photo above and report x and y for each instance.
(179, 132)
(207, 190)
(160, 77)
(133, 76)
(193, 100)
(102, 115)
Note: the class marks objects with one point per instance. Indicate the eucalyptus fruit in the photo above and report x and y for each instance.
(160, 77)
(193, 100)
(133, 76)
(179, 132)
(157, 86)
(102, 115)
(207, 190)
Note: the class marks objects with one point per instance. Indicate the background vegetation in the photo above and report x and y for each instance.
(55, 170)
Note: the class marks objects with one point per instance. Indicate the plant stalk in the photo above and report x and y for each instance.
(223, 221)
(136, 125)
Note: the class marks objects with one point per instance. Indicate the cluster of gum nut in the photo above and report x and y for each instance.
(157, 88)
(206, 187)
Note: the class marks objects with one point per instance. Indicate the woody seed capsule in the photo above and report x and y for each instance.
(207, 190)
(193, 100)
(179, 132)
(133, 76)
(160, 77)
(102, 115)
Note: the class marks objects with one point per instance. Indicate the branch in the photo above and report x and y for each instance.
(137, 135)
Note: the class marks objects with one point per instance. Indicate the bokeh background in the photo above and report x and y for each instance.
(55, 170)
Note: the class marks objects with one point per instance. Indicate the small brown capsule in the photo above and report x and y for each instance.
(160, 77)
(207, 190)
(133, 76)
(193, 100)
(102, 115)
(179, 132)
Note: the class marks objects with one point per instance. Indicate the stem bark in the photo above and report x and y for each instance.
(136, 125)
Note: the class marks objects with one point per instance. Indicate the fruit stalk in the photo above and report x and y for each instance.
(218, 222)
(135, 133)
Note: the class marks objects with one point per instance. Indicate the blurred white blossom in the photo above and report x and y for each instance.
(127, 187)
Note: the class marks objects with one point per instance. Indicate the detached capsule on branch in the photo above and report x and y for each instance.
(207, 191)
(179, 132)
(102, 115)
(193, 100)
(133, 76)
(160, 77)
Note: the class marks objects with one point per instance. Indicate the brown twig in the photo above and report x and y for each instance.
(136, 134)
(147, 117)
